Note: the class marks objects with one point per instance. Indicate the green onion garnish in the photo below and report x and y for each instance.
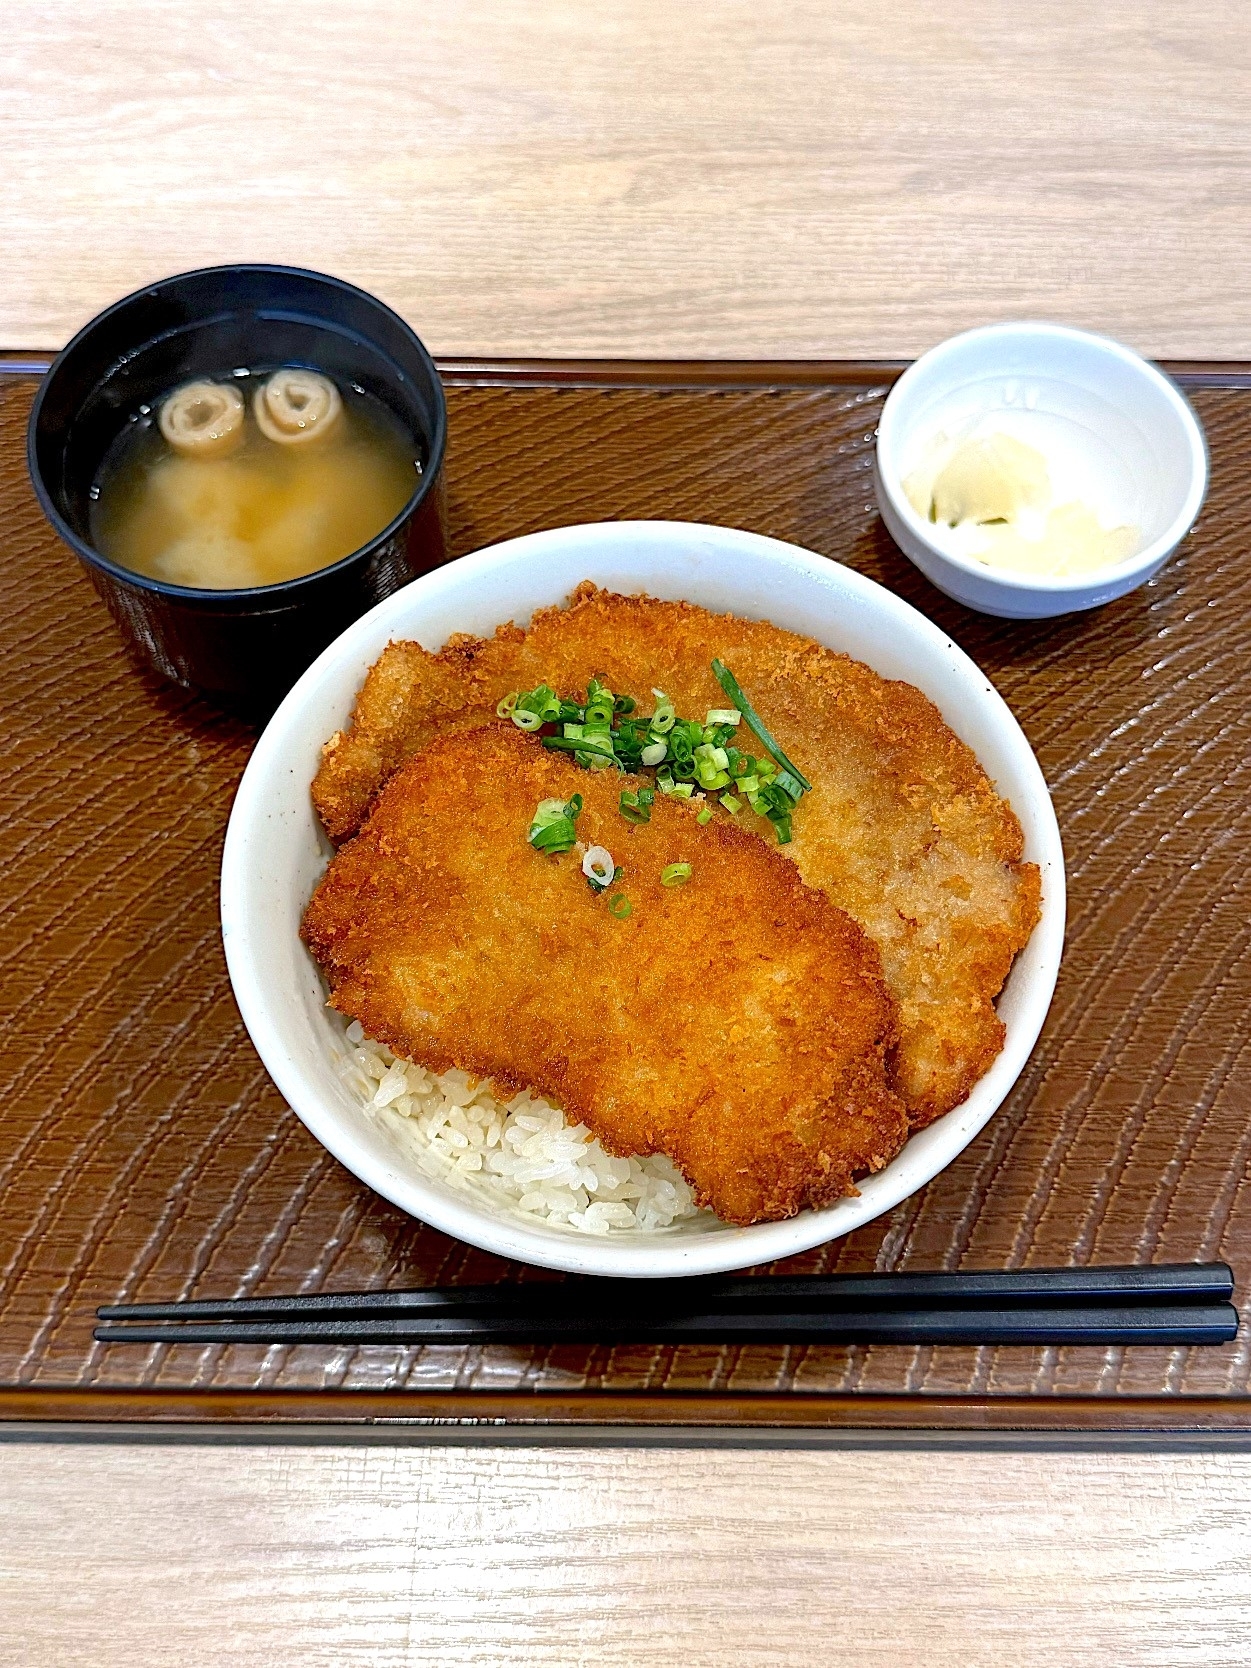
(598, 744)
(675, 874)
(664, 717)
(535, 708)
(687, 756)
(552, 828)
(637, 807)
(619, 906)
(729, 683)
(599, 868)
(704, 817)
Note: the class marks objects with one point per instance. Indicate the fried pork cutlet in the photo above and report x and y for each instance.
(902, 829)
(739, 1022)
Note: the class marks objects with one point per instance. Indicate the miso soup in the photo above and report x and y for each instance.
(252, 510)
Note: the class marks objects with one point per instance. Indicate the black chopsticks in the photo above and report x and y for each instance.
(1173, 1303)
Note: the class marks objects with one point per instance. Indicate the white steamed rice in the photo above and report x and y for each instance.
(521, 1154)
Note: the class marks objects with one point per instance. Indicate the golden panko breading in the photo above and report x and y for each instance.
(739, 1022)
(903, 830)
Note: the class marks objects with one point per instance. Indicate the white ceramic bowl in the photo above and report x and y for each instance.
(1126, 434)
(275, 852)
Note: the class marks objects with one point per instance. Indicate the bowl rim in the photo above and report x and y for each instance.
(285, 590)
(1162, 387)
(662, 1255)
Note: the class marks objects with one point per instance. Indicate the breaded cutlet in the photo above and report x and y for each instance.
(739, 1022)
(903, 830)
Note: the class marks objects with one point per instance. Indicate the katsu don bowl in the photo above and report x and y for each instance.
(364, 1086)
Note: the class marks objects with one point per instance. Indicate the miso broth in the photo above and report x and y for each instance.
(264, 513)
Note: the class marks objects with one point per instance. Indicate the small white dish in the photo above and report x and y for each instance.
(275, 852)
(1120, 427)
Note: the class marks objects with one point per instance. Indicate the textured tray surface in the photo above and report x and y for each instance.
(144, 1153)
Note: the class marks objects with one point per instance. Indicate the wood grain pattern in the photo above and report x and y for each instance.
(404, 1557)
(718, 179)
(144, 1154)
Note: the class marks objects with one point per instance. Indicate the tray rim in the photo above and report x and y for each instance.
(463, 371)
(931, 1417)
(659, 1410)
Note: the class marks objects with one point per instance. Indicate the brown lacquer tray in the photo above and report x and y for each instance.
(144, 1153)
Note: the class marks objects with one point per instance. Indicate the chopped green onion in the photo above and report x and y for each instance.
(536, 707)
(664, 717)
(687, 756)
(548, 812)
(601, 744)
(599, 868)
(704, 817)
(637, 807)
(619, 906)
(505, 707)
(729, 683)
(675, 874)
(552, 827)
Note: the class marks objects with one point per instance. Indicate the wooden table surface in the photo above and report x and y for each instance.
(427, 1557)
(718, 180)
